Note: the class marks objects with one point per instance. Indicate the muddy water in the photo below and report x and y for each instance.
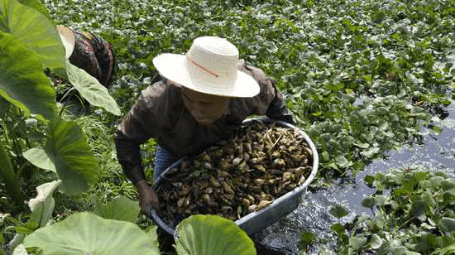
(437, 153)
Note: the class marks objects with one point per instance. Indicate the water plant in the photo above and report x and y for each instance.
(414, 213)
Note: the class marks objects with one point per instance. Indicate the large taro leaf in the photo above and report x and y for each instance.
(20, 250)
(212, 234)
(22, 81)
(35, 31)
(39, 158)
(73, 158)
(120, 208)
(37, 5)
(90, 89)
(43, 204)
(87, 233)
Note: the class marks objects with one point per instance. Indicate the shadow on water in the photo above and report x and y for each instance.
(437, 153)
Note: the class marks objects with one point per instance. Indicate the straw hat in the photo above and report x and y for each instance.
(210, 66)
(68, 39)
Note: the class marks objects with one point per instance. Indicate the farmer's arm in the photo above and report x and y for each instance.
(139, 125)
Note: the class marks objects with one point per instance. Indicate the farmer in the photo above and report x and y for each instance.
(90, 52)
(203, 98)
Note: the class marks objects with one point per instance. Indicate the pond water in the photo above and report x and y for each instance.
(437, 153)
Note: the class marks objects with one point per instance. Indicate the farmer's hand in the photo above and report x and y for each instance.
(147, 197)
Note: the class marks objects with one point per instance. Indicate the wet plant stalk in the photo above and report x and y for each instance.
(11, 181)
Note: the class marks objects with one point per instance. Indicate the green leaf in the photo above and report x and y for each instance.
(446, 250)
(369, 179)
(37, 5)
(446, 224)
(153, 234)
(436, 180)
(86, 233)
(306, 238)
(23, 82)
(90, 89)
(448, 196)
(342, 162)
(39, 158)
(35, 31)
(368, 202)
(337, 228)
(211, 234)
(20, 250)
(120, 208)
(421, 176)
(338, 211)
(43, 204)
(74, 161)
(407, 188)
(375, 241)
(379, 200)
(420, 204)
(357, 243)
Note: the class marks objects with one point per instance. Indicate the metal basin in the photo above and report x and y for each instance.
(258, 220)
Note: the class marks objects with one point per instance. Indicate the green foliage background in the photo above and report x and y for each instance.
(361, 77)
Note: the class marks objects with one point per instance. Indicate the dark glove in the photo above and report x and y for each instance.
(278, 111)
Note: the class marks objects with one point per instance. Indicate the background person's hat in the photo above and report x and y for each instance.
(68, 39)
(210, 66)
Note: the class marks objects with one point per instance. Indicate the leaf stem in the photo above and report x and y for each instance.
(11, 181)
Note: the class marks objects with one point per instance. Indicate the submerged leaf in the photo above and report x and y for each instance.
(337, 228)
(306, 238)
(338, 211)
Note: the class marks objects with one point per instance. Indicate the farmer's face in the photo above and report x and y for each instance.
(204, 108)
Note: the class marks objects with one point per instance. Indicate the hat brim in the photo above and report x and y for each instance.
(68, 39)
(179, 69)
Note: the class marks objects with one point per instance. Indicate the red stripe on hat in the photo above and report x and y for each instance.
(203, 68)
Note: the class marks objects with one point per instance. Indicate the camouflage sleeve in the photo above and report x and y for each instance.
(105, 56)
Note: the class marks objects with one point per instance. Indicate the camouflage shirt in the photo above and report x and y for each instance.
(160, 113)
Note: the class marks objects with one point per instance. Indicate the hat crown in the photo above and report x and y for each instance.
(210, 66)
(214, 55)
